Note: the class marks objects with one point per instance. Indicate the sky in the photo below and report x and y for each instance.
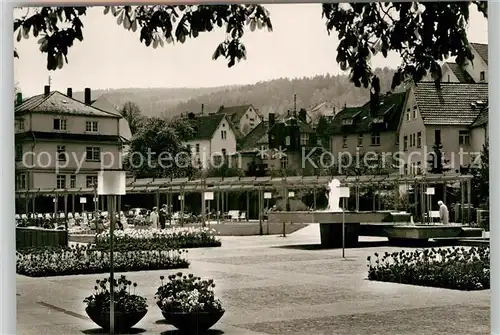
(112, 57)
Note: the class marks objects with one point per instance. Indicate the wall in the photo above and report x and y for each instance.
(245, 124)
(45, 155)
(218, 143)
(204, 155)
(413, 154)
(75, 124)
(48, 179)
(451, 146)
(387, 143)
(475, 67)
(478, 138)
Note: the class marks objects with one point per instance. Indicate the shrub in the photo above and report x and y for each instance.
(58, 261)
(187, 294)
(453, 268)
(159, 239)
(124, 300)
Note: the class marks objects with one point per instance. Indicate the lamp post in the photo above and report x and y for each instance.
(111, 183)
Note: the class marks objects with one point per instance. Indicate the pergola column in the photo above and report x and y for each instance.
(468, 200)
(260, 211)
(33, 203)
(357, 190)
(462, 201)
(73, 196)
(247, 196)
(203, 209)
(314, 198)
(217, 205)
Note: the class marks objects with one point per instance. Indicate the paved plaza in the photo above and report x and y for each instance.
(273, 285)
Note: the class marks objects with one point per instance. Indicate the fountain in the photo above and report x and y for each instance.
(361, 223)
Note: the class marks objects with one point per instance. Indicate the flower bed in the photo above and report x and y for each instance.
(159, 239)
(453, 268)
(58, 261)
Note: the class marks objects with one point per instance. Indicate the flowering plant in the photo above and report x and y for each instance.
(125, 301)
(187, 294)
(453, 268)
(171, 237)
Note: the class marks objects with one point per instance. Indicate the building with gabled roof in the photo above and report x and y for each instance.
(446, 114)
(62, 142)
(244, 117)
(214, 139)
(361, 129)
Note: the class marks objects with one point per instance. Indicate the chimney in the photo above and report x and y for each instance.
(271, 120)
(46, 90)
(202, 108)
(88, 96)
(69, 92)
(19, 98)
(303, 115)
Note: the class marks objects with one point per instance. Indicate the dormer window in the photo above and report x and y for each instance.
(60, 124)
(347, 121)
(92, 126)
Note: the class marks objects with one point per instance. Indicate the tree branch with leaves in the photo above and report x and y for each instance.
(60, 27)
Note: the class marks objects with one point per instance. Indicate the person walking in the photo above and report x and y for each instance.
(163, 216)
(154, 218)
(444, 214)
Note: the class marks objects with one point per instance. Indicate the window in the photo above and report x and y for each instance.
(188, 147)
(284, 162)
(92, 126)
(287, 140)
(463, 137)
(397, 139)
(405, 169)
(224, 153)
(60, 124)
(405, 143)
(412, 140)
(61, 153)
(19, 152)
(21, 181)
(375, 139)
(482, 76)
(197, 148)
(304, 139)
(414, 112)
(223, 134)
(408, 116)
(91, 181)
(419, 139)
(72, 181)
(21, 124)
(344, 141)
(61, 181)
(93, 154)
(360, 140)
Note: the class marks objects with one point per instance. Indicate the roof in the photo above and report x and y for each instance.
(482, 50)
(391, 107)
(451, 104)
(482, 119)
(57, 103)
(107, 106)
(253, 138)
(460, 73)
(235, 112)
(288, 120)
(206, 125)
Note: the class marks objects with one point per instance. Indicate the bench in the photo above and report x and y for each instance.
(233, 215)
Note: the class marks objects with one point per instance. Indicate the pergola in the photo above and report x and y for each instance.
(222, 186)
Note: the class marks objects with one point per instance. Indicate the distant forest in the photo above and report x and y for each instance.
(267, 96)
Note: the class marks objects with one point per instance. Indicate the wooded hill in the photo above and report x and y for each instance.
(267, 96)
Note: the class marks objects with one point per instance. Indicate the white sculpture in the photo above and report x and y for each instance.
(334, 196)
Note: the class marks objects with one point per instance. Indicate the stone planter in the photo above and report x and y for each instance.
(123, 321)
(193, 323)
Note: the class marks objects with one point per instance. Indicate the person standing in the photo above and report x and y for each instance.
(154, 218)
(444, 215)
(163, 216)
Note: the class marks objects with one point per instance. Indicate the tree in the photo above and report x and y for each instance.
(60, 27)
(131, 112)
(158, 150)
(322, 131)
(481, 178)
(422, 33)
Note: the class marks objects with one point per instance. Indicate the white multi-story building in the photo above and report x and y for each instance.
(62, 142)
